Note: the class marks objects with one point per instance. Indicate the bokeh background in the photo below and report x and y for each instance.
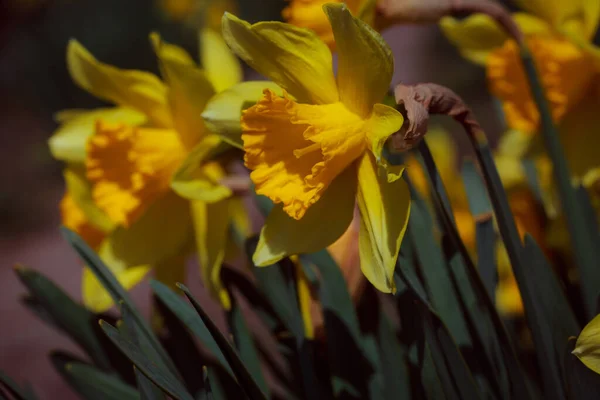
(34, 84)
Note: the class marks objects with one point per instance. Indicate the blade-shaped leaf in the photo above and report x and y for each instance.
(147, 389)
(189, 317)
(157, 373)
(245, 380)
(117, 292)
(69, 316)
(11, 387)
(244, 343)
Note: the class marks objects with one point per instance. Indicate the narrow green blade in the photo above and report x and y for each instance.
(189, 317)
(147, 389)
(11, 387)
(245, 380)
(117, 292)
(157, 373)
(69, 316)
(244, 343)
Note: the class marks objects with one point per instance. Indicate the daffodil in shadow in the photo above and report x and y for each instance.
(316, 150)
(559, 35)
(145, 178)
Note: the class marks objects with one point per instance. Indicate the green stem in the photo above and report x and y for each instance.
(583, 246)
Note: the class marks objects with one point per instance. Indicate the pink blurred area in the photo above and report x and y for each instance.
(31, 187)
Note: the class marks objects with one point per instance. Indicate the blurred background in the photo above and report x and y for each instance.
(35, 84)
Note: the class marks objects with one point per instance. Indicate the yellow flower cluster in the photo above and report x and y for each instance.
(150, 178)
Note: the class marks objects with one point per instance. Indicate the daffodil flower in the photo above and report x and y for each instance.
(316, 149)
(309, 14)
(559, 35)
(143, 177)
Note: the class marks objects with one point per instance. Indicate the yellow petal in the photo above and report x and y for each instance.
(189, 90)
(566, 72)
(139, 90)
(240, 218)
(294, 58)
(475, 36)
(198, 178)
(222, 67)
(384, 204)
(130, 168)
(296, 150)
(79, 190)
(69, 140)
(382, 123)
(95, 297)
(75, 219)
(587, 347)
(365, 61)
(578, 136)
(163, 232)
(559, 13)
(223, 112)
(211, 225)
(172, 270)
(531, 25)
(591, 17)
(282, 235)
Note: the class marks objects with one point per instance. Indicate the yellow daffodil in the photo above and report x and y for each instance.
(309, 14)
(587, 347)
(316, 149)
(559, 35)
(143, 178)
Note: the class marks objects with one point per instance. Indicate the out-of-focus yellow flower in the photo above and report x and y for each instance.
(143, 178)
(587, 347)
(309, 14)
(204, 13)
(559, 35)
(317, 149)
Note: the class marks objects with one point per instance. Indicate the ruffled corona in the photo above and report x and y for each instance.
(296, 150)
(130, 168)
(564, 69)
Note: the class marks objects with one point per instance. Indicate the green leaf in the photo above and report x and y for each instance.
(452, 370)
(91, 383)
(244, 343)
(245, 380)
(189, 317)
(277, 284)
(538, 324)
(436, 274)
(157, 373)
(117, 292)
(72, 318)
(11, 387)
(519, 387)
(147, 389)
(585, 247)
(393, 356)
(341, 323)
(481, 209)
